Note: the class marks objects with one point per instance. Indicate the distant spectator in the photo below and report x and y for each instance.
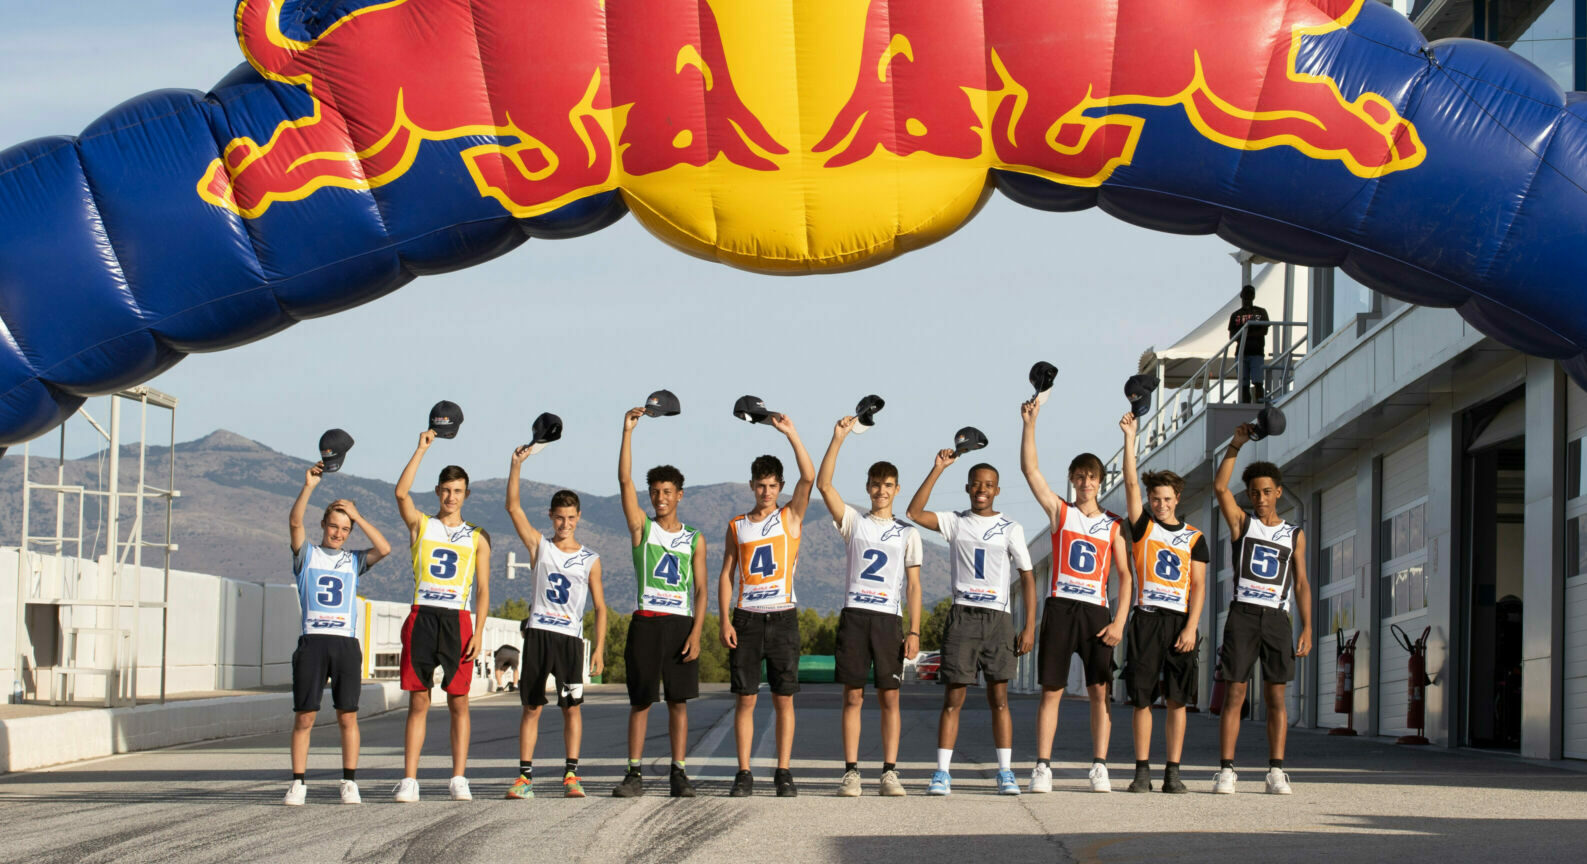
(1254, 352)
(506, 659)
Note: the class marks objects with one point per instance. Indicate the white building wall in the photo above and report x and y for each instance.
(1574, 693)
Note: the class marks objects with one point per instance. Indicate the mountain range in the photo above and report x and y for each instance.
(231, 520)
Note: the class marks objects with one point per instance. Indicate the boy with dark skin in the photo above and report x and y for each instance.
(1269, 567)
(663, 645)
(985, 546)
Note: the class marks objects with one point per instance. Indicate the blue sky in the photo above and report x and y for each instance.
(587, 327)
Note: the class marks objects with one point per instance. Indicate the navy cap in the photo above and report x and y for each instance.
(1042, 376)
(1269, 423)
(1138, 389)
(751, 409)
(865, 413)
(547, 428)
(334, 445)
(662, 404)
(445, 418)
(967, 439)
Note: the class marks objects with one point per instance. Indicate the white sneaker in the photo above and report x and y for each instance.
(350, 793)
(297, 793)
(1099, 778)
(1041, 778)
(1223, 781)
(407, 791)
(850, 787)
(458, 789)
(1277, 782)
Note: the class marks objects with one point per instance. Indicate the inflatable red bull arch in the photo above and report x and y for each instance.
(364, 143)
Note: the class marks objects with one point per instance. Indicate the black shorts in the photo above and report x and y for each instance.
(769, 636)
(653, 659)
(506, 657)
(318, 658)
(977, 639)
(1070, 627)
(552, 655)
(434, 638)
(1254, 632)
(866, 636)
(1152, 667)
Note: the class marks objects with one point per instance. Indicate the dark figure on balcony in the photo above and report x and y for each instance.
(1252, 351)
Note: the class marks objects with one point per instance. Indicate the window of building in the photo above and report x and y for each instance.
(1404, 544)
(1575, 511)
(1337, 586)
(1545, 32)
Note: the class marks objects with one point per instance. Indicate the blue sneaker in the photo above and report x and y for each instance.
(940, 783)
(1006, 784)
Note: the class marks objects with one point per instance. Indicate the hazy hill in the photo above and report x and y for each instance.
(231, 520)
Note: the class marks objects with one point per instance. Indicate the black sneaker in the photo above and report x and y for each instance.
(511, 686)
(1172, 784)
(632, 785)
(743, 785)
(1142, 781)
(681, 787)
(785, 785)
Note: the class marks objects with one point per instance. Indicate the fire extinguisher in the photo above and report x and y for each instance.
(1417, 682)
(1345, 682)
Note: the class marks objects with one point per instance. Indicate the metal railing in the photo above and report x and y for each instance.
(1215, 383)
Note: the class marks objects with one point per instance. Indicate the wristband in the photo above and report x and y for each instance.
(912, 633)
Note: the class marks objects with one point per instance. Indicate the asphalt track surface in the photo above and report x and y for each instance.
(1366, 799)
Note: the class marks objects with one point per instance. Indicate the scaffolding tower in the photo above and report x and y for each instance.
(97, 622)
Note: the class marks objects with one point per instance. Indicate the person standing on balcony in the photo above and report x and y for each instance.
(1253, 351)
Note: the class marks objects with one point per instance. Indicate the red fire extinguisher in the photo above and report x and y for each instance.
(1345, 682)
(1416, 684)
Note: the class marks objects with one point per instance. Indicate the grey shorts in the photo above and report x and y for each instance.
(977, 639)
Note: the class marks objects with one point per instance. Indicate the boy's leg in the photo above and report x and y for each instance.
(1277, 718)
(1175, 731)
(1141, 725)
(1229, 720)
(853, 700)
(1002, 719)
(413, 734)
(638, 723)
(528, 732)
(1047, 721)
(780, 648)
(458, 707)
(1101, 721)
(784, 706)
(678, 729)
(745, 673)
(892, 725)
(744, 728)
(572, 729)
(347, 722)
(948, 722)
(302, 726)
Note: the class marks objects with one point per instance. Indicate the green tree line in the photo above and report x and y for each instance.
(818, 635)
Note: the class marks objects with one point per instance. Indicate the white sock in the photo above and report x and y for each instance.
(1004, 755)
(943, 758)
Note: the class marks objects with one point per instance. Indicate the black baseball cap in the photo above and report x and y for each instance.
(334, 445)
(1042, 376)
(967, 439)
(1269, 423)
(865, 413)
(662, 404)
(445, 418)
(547, 428)
(1138, 389)
(751, 409)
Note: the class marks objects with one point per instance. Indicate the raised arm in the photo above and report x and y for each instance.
(311, 479)
(829, 466)
(1302, 595)
(724, 589)
(520, 521)
(1047, 498)
(598, 598)
(1132, 480)
(691, 649)
(378, 547)
(917, 511)
(481, 593)
(633, 514)
(807, 469)
(1232, 514)
(411, 516)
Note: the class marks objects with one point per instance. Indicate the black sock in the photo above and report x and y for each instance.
(1171, 768)
(1047, 762)
(851, 766)
(1276, 763)
(526, 768)
(1143, 765)
(1095, 761)
(889, 766)
(571, 767)
(783, 772)
(1225, 763)
(299, 777)
(347, 773)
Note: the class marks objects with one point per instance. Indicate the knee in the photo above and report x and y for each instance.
(303, 720)
(853, 697)
(458, 705)
(347, 719)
